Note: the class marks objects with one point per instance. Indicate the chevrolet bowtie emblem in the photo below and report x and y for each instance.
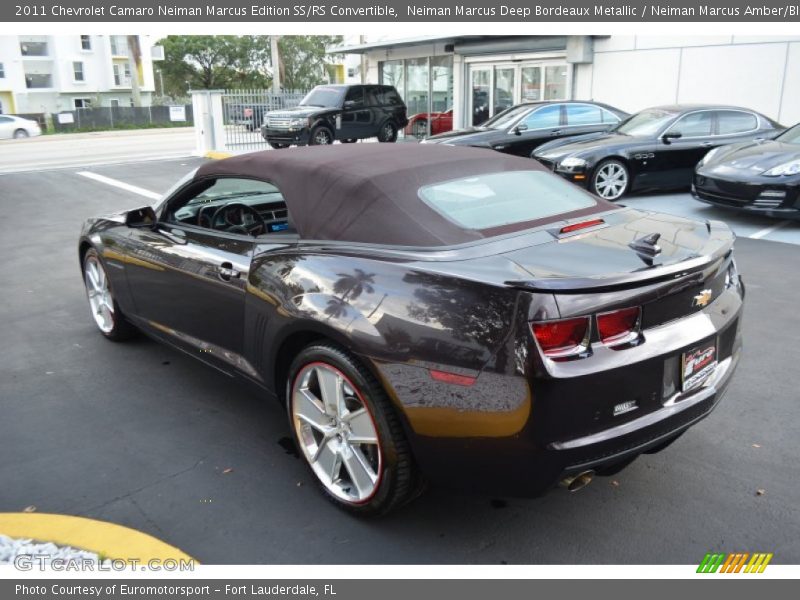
(702, 298)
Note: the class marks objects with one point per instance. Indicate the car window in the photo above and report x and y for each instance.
(694, 124)
(609, 117)
(790, 136)
(498, 199)
(5, 120)
(735, 121)
(583, 114)
(504, 119)
(323, 96)
(373, 99)
(547, 116)
(202, 204)
(356, 96)
(645, 123)
(388, 96)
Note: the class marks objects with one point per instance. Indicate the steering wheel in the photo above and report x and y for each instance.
(235, 219)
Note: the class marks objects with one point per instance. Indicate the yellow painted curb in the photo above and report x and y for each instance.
(106, 539)
(217, 155)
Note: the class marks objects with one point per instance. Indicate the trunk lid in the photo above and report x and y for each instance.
(595, 270)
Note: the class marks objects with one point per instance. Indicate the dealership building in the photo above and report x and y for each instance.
(478, 76)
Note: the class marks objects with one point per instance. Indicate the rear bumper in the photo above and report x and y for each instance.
(555, 439)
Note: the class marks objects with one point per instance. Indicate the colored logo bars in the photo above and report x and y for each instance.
(736, 562)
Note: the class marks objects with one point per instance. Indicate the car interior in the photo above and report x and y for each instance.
(233, 205)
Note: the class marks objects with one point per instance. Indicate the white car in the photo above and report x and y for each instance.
(17, 127)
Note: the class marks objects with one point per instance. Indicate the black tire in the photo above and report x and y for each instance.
(21, 133)
(387, 132)
(318, 134)
(398, 480)
(349, 141)
(122, 329)
(607, 193)
(278, 146)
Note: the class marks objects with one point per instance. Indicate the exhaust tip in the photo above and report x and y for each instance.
(573, 483)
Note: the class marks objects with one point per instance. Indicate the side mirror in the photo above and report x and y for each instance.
(520, 128)
(144, 217)
(348, 104)
(671, 135)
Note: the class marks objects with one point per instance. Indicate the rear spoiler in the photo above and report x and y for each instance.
(644, 276)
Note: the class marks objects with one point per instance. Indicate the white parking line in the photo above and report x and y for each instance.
(121, 184)
(767, 230)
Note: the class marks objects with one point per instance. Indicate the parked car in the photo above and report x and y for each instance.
(760, 177)
(522, 128)
(430, 313)
(338, 112)
(656, 148)
(12, 126)
(440, 122)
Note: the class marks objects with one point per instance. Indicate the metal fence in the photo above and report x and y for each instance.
(244, 110)
(123, 117)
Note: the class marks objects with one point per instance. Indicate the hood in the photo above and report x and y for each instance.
(474, 136)
(602, 257)
(559, 149)
(753, 158)
(298, 111)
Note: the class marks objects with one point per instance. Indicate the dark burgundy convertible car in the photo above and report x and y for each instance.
(431, 313)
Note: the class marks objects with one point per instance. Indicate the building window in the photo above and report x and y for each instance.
(86, 42)
(119, 45)
(115, 103)
(83, 102)
(122, 74)
(33, 48)
(77, 70)
(2, 71)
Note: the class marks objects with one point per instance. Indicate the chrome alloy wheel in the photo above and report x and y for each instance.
(336, 433)
(99, 293)
(322, 137)
(611, 180)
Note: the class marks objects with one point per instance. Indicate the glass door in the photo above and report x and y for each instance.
(480, 96)
(531, 83)
(503, 93)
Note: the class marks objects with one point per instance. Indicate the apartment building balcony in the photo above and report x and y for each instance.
(38, 81)
(34, 49)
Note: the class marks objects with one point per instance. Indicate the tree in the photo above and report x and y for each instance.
(209, 62)
(304, 60)
(230, 61)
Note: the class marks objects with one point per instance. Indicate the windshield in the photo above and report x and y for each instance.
(505, 118)
(323, 96)
(646, 123)
(498, 199)
(790, 136)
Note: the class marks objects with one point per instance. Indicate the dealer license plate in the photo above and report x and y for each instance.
(697, 364)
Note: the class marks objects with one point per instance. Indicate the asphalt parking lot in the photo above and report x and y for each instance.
(144, 436)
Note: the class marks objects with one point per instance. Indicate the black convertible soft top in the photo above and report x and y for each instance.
(368, 193)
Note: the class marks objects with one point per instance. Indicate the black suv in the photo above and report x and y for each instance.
(338, 112)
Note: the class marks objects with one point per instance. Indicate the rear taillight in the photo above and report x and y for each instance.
(619, 327)
(562, 339)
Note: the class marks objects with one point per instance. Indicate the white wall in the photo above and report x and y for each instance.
(634, 72)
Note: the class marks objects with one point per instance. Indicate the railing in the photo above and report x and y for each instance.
(244, 111)
(36, 80)
(33, 48)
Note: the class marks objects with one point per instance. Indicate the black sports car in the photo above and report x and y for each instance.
(758, 177)
(522, 128)
(489, 326)
(656, 148)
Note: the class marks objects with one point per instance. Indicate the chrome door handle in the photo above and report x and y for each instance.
(226, 272)
(556, 132)
(707, 144)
